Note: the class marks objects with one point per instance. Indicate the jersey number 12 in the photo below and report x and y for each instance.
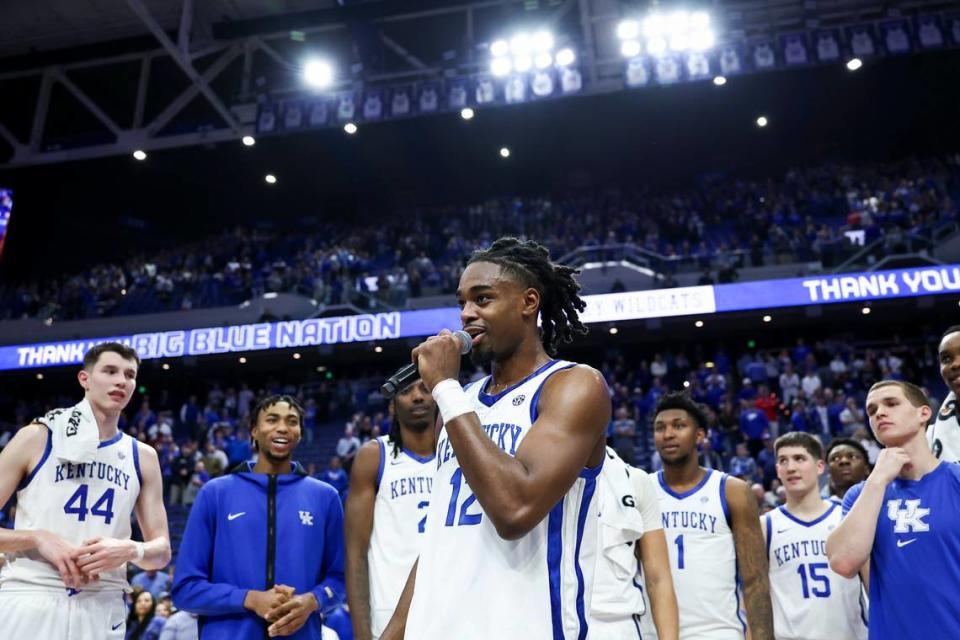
(465, 518)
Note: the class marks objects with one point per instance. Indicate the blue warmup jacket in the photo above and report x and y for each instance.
(251, 531)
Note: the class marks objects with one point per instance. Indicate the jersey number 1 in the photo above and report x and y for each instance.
(77, 505)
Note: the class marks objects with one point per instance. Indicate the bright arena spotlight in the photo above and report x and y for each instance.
(318, 73)
(854, 63)
(677, 31)
(524, 51)
(566, 57)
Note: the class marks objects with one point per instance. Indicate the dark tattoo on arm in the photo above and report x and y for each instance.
(752, 561)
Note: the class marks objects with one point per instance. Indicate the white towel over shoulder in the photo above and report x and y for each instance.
(76, 435)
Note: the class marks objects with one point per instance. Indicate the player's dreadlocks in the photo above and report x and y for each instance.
(560, 306)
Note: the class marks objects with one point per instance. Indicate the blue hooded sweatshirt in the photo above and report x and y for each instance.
(251, 531)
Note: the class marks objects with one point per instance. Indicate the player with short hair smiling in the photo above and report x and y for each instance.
(262, 552)
(810, 602)
(904, 519)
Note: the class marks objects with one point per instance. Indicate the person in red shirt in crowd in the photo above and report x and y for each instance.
(768, 402)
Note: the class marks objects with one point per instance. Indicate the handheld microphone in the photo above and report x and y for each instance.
(407, 374)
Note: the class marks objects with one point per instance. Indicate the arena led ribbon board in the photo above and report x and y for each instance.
(612, 307)
(6, 207)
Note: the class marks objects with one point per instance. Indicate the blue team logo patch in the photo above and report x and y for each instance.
(519, 400)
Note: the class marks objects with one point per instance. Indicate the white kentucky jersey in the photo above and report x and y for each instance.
(944, 434)
(404, 482)
(810, 601)
(703, 558)
(77, 501)
(473, 584)
(628, 510)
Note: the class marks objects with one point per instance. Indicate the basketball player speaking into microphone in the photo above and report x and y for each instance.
(510, 538)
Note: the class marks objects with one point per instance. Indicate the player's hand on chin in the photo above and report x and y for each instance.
(103, 554)
(61, 554)
(890, 462)
(438, 358)
(293, 614)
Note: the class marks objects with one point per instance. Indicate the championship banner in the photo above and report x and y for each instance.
(428, 97)
(895, 35)
(294, 115)
(346, 108)
(401, 101)
(612, 307)
(458, 91)
(861, 39)
(827, 45)
(795, 49)
(731, 57)
(373, 107)
(930, 32)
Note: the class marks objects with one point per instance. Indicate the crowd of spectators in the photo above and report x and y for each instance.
(717, 226)
(751, 395)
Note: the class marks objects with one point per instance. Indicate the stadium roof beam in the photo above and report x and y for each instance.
(184, 48)
(184, 62)
(394, 46)
(189, 39)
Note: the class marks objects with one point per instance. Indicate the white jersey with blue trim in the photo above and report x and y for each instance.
(810, 601)
(404, 482)
(629, 509)
(943, 435)
(471, 584)
(77, 502)
(703, 559)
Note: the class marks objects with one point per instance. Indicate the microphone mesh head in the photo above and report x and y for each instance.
(466, 342)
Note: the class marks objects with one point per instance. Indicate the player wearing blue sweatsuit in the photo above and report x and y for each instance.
(251, 531)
